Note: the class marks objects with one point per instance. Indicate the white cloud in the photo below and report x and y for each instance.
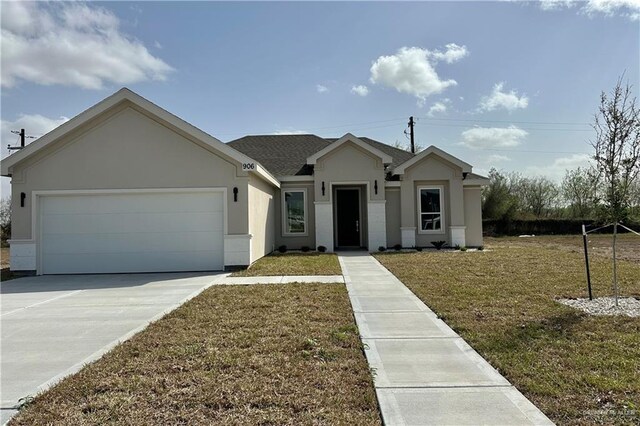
(34, 125)
(321, 89)
(360, 90)
(497, 158)
(412, 70)
(556, 4)
(626, 8)
(438, 108)
(493, 137)
(72, 44)
(556, 169)
(290, 131)
(453, 53)
(500, 99)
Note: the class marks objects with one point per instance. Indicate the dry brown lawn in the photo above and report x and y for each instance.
(293, 264)
(627, 245)
(578, 369)
(268, 354)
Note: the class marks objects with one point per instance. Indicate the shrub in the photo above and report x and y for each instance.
(463, 249)
(418, 248)
(282, 249)
(480, 248)
(305, 249)
(438, 244)
(322, 249)
(457, 247)
(499, 227)
(382, 248)
(397, 247)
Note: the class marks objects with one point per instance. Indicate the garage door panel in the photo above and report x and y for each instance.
(131, 222)
(126, 242)
(132, 232)
(142, 262)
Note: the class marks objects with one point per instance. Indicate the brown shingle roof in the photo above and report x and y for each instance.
(286, 155)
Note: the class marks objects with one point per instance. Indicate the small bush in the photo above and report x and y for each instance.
(322, 249)
(463, 249)
(457, 247)
(418, 248)
(282, 249)
(382, 248)
(305, 249)
(438, 244)
(480, 248)
(397, 247)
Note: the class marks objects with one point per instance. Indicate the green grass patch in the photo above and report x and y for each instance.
(293, 264)
(233, 355)
(578, 369)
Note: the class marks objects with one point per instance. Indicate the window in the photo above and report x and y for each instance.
(294, 212)
(430, 209)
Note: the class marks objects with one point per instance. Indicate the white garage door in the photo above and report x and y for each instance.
(132, 232)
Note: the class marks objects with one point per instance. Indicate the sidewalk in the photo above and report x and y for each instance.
(424, 372)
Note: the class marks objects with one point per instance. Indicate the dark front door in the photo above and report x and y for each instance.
(348, 217)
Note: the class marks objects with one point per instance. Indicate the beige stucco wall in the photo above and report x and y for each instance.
(261, 217)
(393, 216)
(349, 163)
(296, 242)
(432, 171)
(126, 149)
(473, 215)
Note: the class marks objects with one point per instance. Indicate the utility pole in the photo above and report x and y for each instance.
(22, 139)
(413, 146)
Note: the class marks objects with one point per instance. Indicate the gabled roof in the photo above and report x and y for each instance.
(286, 155)
(398, 155)
(124, 95)
(386, 158)
(282, 155)
(432, 150)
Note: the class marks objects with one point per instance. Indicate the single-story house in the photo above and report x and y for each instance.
(126, 186)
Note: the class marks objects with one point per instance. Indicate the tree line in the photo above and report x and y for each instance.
(607, 190)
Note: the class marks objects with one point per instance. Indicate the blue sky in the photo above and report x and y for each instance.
(511, 85)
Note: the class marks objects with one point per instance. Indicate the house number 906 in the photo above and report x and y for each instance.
(248, 166)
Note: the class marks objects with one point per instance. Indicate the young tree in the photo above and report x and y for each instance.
(580, 191)
(617, 148)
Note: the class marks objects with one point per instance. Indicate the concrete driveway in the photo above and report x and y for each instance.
(52, 325)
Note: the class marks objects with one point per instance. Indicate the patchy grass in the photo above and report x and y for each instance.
(5, 272)
(233, 355)
(627, 245)
(578, 369)
(293, 264)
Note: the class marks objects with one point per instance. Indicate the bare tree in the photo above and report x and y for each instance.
(540, 195)
(580, 191)
(406, 146)
(5, 219)
(617, 148)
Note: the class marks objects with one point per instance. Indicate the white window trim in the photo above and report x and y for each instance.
(283, 211)
(442, 210)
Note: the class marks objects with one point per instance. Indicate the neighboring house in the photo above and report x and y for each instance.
(126, 186)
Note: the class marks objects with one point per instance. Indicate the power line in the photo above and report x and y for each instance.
(510, 121)
(522, 128)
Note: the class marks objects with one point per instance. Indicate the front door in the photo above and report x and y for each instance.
(348, 217)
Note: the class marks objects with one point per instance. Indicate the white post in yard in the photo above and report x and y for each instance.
(615, 277)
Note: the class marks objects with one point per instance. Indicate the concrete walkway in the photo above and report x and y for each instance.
(424, 372)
